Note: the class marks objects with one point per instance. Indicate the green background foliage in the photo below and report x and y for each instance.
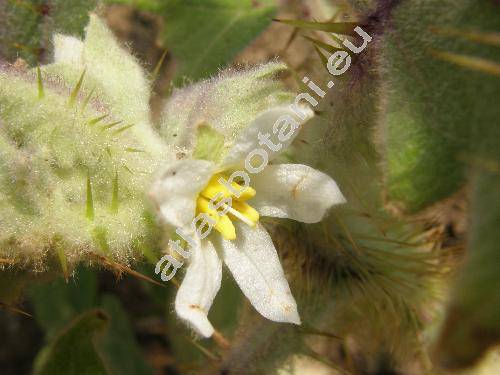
(204, 35)
(28, 25)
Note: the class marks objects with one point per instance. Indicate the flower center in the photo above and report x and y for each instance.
(227, 202)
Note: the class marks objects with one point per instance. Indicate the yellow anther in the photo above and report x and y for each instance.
(246, 210)
(202, 205)
(214, 187)
(222, 223)
(226, 228)
(237, 210)
(246, 194)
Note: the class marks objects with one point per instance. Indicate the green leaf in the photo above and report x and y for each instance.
(70, 16)
(153, 6)
(209, 143)
(57, 302)
(74, 351)
(205, 35)
(118, 345)
(27, 25)
(25, 42)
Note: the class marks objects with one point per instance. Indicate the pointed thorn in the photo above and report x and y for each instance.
(101, 237)
(15, 309)
(344, 28)
(90, 201)
(214, 357)
(322, 57)
(491, 38)
(87, 99)
(324, 46)
(127, 169)
(76, 90)
(158, 66)
(120, 269)
(97, 119)
(466, 61)
(109, 126)
(41, 93)
(61, 255)
(133, 149)
(220, 340)
(116, 132)
(115, 200)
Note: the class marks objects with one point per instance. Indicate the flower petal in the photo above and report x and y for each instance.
(254, 263)
(199, 288)
(175, 191)
(263, 123)
(294, 191)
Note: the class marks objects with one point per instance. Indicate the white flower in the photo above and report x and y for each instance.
(292, 191)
